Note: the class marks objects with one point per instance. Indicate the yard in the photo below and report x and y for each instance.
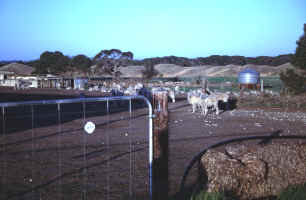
(43, 158)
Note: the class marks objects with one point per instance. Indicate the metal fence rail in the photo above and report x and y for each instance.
(83, 148)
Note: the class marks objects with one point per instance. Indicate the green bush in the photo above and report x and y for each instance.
(293, 80)
(293, 193)
(208, 196)
(295, 83)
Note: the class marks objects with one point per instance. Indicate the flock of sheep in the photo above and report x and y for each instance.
(200, 99)
(206, 100)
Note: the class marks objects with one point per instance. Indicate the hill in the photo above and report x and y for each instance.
(18, 68)
(172, 70)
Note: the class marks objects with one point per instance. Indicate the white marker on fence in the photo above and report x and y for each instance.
(89, 127)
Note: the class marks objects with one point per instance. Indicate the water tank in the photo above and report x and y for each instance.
(248, 76)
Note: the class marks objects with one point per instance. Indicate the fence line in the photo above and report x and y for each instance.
(61, 173)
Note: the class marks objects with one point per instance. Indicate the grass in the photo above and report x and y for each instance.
(208, 196)
(297, 192)
(203, 195)
(293, 193)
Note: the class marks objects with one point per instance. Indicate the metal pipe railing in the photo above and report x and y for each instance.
(97, 99)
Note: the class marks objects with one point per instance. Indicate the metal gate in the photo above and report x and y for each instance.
(85, 148)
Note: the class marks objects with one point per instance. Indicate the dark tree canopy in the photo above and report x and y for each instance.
(295, 80)
(81, 62)
(299, 58)
(108, 61)
(216, 60)
(52, 62)
(115, 54)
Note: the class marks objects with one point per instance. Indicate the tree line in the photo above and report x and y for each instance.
(108, 61)
(56, 62)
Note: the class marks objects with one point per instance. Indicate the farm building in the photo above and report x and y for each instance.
(6, 79)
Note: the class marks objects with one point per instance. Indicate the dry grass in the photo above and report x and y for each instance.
(285, 103)
(257, 171)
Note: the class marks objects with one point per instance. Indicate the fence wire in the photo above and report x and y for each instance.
(47, 153)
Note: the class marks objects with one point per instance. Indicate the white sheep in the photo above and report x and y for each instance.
(195, 102)
(212, 101)
(171, 94)
(195, 98)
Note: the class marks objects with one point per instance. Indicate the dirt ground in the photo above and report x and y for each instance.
(59, 160)
(190, 133)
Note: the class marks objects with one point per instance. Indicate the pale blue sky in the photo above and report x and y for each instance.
(187, 28)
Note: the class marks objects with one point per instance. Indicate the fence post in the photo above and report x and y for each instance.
(160, 145)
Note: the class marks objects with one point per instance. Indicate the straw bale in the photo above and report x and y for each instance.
(255, 171)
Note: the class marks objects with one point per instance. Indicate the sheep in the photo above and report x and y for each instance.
(222, 97)
(145, 92)
(196, 102)
(130, 91)
(115, 92)
(195, 98)
(170, 92)
(212, 101)
(209, 102)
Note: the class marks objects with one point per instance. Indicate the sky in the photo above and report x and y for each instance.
(156, 28)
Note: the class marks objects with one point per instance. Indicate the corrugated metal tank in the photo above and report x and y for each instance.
(248, 76)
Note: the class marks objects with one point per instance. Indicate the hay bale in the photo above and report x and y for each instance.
(255, 172)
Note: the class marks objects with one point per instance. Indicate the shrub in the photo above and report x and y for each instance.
(209, 196)
(293, 81)
(293, 193)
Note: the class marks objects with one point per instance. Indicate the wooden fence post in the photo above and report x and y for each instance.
(160, 146)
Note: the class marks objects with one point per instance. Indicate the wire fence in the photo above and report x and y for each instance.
(85, 148)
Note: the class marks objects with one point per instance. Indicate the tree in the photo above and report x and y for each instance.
(81, 62)
(295, 83)
(299, 58)
(295, 80)
(108, 61)
(149, 71)
(52, 62)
